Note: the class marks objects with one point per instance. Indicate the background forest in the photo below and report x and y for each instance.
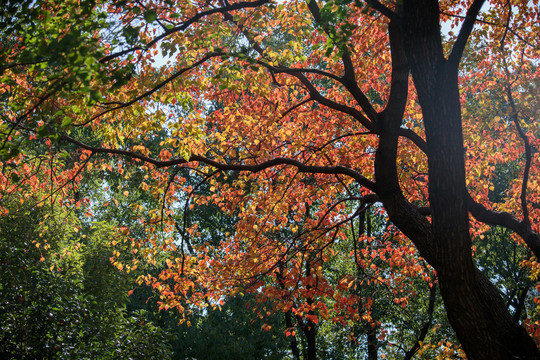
(269, 179)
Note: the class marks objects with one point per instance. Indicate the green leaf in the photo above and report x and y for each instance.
(15, 177)
(95, 95)
(43, 131)
(66, 121)
(131, 33)
(150, 16)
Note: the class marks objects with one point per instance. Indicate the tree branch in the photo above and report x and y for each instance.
(317, 96)
(423, 332)
(528, 150)
(188, 23)
(303, 168)
(405, 215)
(465, 32)
(507, 28)
(349, 78)
(377, 5)
(492, 217)
(155, 88)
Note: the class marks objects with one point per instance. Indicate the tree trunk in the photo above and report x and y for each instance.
(294, 343)
(309, 327)
(475, 308)
(372, 343)
(288, 316)
(311, 333)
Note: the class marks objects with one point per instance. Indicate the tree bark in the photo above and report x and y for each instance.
(309, 327)
(288, 316)
(475, 308)
(294, 343)
(372, 344)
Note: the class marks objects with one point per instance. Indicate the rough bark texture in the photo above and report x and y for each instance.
(475, 308)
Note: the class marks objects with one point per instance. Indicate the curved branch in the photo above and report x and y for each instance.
(291, 71)
(465, 32)
(188, 23)
(182, 230)
(303, 168)
(492, 217)
(528, 152)
(508, 29)
(155, 88)
(414, 137)
(292, 108)
(423, 332)
(107, 58)
(317, 96)
(65, 184)
(17, 123)
(336, 139)
(348, 79)
(377, 5)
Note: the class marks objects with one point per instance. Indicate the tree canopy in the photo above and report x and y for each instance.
(334, 160)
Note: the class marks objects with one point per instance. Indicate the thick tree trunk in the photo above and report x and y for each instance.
(475, 309)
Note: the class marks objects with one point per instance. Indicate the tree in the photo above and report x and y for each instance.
(316, 110)
(60, 296)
